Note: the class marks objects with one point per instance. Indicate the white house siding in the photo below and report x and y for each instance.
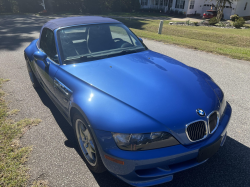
(179, 9)
(234, 6)
(201, 6)
(145, 6)
(240, 5)
(151, 4)
(173, 5)
(197, 7)
(183, 10)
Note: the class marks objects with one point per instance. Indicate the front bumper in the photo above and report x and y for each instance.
(146, 168)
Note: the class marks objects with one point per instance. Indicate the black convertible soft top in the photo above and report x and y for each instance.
(70, 21)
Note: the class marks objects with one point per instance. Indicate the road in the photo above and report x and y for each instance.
(55, 157)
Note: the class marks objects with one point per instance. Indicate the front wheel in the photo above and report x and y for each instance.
(87, 145)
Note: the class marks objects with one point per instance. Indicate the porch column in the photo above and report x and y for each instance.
(173, 5)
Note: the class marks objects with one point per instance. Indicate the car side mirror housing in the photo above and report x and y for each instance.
(141, 40)
(56, 59)
(39, 55)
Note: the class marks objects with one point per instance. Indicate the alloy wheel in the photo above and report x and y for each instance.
(86, 143)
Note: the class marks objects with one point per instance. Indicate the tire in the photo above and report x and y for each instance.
(32, 76)
(87, 145)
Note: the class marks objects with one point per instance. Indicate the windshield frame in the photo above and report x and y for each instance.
(59, 45)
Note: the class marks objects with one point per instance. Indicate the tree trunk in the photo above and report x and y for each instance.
(220, 7)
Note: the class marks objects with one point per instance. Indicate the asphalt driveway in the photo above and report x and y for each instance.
(55, 157)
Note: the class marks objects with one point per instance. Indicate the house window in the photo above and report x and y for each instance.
(191, 4)
(156, 2)
(245, 6)
(180, 4)
(161, 2)
(165, 2)
(144, 2)
(168, 3)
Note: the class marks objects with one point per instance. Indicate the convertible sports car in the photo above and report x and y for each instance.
(139, 114)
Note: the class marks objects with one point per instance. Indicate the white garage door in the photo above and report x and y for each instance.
(227, 12)
(206, 7)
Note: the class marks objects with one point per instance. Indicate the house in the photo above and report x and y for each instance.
(192, 7)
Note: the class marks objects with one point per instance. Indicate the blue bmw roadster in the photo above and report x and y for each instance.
(139, 114)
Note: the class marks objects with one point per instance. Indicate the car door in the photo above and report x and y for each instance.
(47, 72)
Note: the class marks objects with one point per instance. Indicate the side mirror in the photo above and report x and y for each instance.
(39, 55)
(56, 59)
(141, 40)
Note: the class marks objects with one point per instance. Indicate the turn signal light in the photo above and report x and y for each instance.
(114, 160)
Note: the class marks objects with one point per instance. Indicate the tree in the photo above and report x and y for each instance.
(83, 6)
(220, 7)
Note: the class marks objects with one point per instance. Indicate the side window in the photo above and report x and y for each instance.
(48, 44)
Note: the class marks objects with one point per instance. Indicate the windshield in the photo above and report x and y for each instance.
(91, 42)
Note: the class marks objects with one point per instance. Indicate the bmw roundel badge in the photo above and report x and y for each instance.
(200, 112)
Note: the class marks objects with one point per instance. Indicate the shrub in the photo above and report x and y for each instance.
(196, 23)
(228, 24)
(234, 17)
(205, 23)
(176, 12)
(188, 22)
(213, 21)
(222, 24)
(180, 13)
(171, 12)
(239, 23)
(162, 10)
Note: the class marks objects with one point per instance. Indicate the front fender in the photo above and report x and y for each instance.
(29, 51)
(103, 112)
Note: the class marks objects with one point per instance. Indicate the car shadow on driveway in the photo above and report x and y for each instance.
(229, 167)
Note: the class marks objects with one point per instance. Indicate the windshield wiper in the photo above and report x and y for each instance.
(83, 57)
(101, 56)
(123, 52)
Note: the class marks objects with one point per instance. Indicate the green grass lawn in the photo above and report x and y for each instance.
(13, 172)
(234, 43)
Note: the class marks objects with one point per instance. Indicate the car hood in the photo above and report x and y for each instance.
(159, 86)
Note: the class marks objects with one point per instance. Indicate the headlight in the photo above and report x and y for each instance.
(146, 141)
(223, 105)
